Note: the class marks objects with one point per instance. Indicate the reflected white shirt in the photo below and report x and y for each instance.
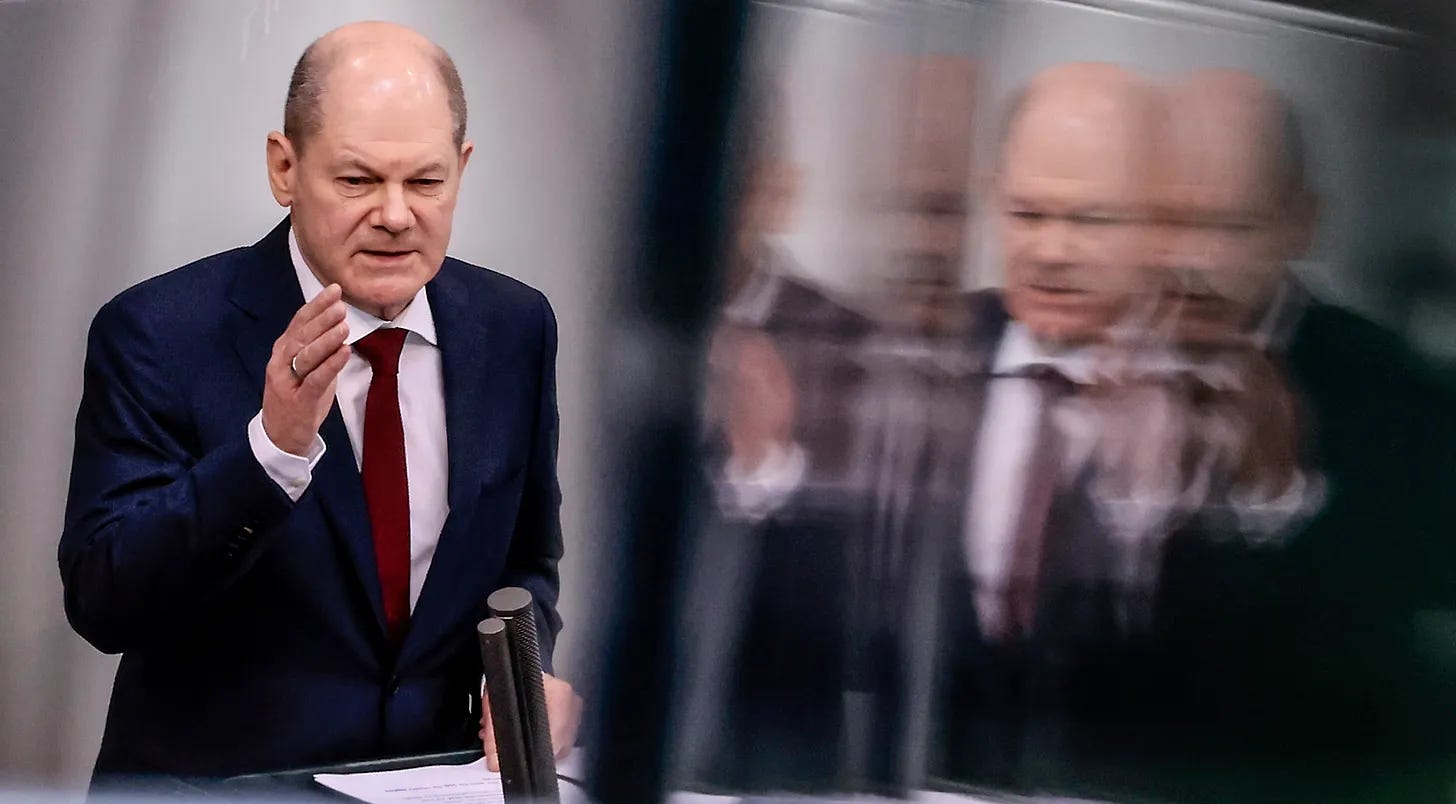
(1003, 451)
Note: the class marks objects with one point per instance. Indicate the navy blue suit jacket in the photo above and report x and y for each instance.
(250, 627)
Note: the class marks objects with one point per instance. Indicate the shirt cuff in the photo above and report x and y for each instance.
(1265, 518)
(757, 493)
(291, 472)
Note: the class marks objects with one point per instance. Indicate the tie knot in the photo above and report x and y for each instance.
(1048, 375)
(381, 348)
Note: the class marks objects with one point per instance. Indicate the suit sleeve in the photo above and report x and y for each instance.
(536, 545)
(153, 530)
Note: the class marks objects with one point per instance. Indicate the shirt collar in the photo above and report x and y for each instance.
(416, 317)
(1276, 326)
(1020, 350)
(1089, 364)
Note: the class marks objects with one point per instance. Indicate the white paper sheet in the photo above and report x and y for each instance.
(434, 784)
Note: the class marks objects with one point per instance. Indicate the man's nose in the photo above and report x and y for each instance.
(1055, 244)
(394, 213)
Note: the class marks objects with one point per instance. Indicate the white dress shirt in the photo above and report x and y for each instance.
(421, 406)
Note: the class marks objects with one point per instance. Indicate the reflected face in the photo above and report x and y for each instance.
(927, 200)
(1073, 200)
(372, 194)
(1225, 220)
(924, 229)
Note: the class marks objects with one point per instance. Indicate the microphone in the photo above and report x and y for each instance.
(521, 690)
(505, 716)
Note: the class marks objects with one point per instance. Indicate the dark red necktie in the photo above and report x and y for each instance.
(386, 484)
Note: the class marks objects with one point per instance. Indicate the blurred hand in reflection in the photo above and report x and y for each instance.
(1266, 450)
(1230, 210)
(753, 394)
(1145, 431)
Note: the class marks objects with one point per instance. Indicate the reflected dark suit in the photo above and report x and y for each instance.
(1291, 650)
(768, 601)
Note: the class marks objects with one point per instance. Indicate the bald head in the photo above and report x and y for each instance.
(1230, 188)
(1070, 101)
(1232, 124)
(370, 161)
(370, 55)
(1074, 191)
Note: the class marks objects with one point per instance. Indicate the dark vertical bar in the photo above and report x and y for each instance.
(505, 716)
(651, 393)
(514, 606)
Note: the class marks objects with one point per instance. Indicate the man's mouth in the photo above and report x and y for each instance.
(1057, 290)
(1196, 298)
(386, 253)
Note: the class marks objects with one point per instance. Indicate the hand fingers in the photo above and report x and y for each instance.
(301, 332)
(564, 739)
(320, 381)
(563, 710)
(316, 306)
(319, 349)
(299, 344)
(312, 320)
(487, 735)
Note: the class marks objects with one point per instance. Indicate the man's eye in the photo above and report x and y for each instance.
(1236, 227)
(354, 181)
(1027, 215)
(428, 182)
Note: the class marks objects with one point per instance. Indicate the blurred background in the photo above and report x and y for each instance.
(849, 177)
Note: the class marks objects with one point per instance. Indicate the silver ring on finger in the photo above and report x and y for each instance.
(293, 366)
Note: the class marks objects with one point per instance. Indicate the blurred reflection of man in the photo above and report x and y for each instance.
(790, 370)
(769, 577)
(997, 502)
(1067, 639)
(1311, 385)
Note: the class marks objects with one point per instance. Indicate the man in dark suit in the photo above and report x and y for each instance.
(301, 466)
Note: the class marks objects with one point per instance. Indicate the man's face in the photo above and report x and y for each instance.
(372, 195)
(922, 206)
(1072, 203)
(1224, 224)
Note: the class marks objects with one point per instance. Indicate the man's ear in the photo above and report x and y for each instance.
(466, 149)
(282, 168)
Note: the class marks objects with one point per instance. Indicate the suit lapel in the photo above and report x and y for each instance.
(268, 292)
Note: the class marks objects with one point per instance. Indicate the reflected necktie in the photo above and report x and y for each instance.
(1043, 475)
(386, 483)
